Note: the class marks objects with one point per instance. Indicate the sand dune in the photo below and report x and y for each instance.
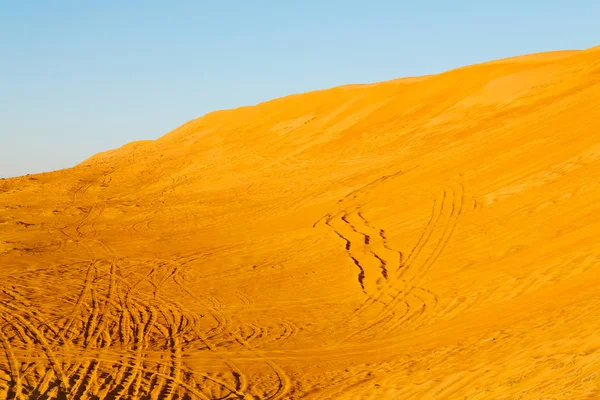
(423, 238)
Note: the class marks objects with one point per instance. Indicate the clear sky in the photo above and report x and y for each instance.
(79, 77)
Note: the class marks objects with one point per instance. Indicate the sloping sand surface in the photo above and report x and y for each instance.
(423, 238)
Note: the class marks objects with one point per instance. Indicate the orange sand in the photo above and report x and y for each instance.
(424, 238)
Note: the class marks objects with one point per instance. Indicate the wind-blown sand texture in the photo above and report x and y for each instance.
(426, 238)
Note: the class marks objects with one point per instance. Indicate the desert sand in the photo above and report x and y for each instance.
(423, 238)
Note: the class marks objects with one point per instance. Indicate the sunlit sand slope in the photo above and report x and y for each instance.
(423, 238)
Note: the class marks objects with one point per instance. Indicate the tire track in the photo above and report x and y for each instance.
(397, 282)
(413, 271)
(284, 382)
(418, 271)
(100, 348)
(16, 385)
(41, 340)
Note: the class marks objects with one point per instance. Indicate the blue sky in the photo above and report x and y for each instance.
(80, 77)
